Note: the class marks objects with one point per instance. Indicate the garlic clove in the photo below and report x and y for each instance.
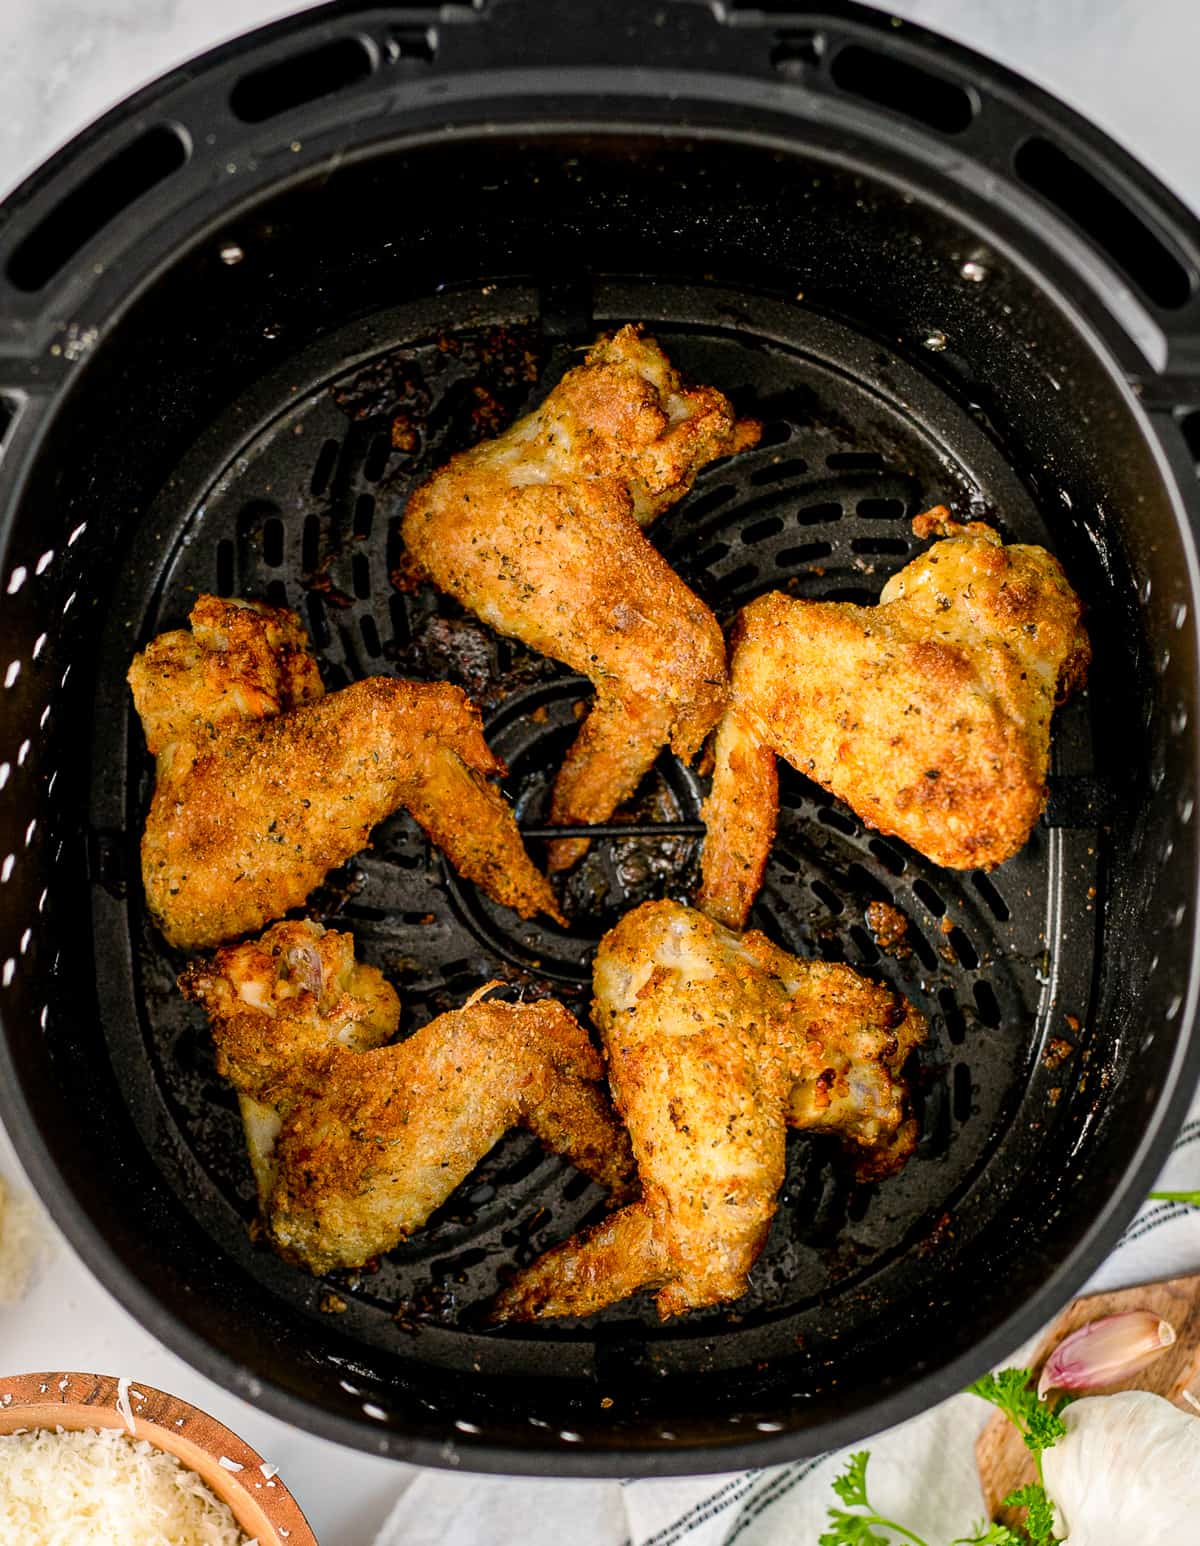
(1106, 1351)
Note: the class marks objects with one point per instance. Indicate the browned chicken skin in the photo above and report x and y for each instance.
(263, 784)
(355, 1143)
(929, 714)
(716, 1043)
(539, 532)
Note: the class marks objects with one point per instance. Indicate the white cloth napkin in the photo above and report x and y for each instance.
(922, 1473)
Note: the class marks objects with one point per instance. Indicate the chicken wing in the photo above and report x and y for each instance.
(354, 1143)
(263, 784)
(540, 534)
(929, 714)
(717, 1043)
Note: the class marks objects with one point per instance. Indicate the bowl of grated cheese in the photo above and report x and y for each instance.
(88, 1459)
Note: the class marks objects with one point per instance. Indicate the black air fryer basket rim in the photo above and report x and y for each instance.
(301, 32)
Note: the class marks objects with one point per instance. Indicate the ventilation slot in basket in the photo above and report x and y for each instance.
(1189, 425)
(904, 88)
(303, 78)
(1107, 219)
(420, 44)
(97, 201)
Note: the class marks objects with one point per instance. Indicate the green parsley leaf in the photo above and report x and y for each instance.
(1013, 1392)
(1039, 1523)
(851, 1530)
(992, 1535)
(851, 1485)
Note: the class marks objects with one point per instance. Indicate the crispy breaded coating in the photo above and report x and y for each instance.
(716, 1043)
(354, 1144)
(929, 714)
(539, 533)
(238, 660)
(268, 784)
(278, 1005)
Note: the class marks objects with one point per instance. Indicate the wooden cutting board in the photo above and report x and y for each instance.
(1004, 1462)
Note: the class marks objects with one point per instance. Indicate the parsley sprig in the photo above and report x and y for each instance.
(860, 1529)
(1035, 1420)
(1039, 1424)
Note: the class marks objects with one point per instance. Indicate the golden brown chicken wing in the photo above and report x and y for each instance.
(929, 714)
(540, 534)
(354, 1143)
(716, 1043)
(263, 784)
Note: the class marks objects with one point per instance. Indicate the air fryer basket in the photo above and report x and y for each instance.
(246, 313)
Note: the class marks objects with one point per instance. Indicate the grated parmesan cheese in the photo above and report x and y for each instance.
(99, 1487)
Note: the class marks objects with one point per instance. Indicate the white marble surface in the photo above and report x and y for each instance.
(1128, 64)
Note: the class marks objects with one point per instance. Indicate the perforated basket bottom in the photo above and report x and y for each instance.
(296, 499)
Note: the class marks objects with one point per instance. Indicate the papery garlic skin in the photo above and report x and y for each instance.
(1127, 1473)
(1106, 1351)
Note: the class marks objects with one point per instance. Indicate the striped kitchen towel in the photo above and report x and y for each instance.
(922, 1472)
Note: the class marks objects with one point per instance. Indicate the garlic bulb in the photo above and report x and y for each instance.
(1127, 1473)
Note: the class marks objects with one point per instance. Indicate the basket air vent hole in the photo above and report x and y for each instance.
(336, 677)
(838, 820)
(376, 461)
(904, 88)
(775, 432)
(964, 951)
(880, 509)
(866, 884)
(225, 578)
(769, 526)
(744, 574)
(277, 593)
(925, 893)
(995, 902)
(1106, 218)
(712, 555)
(797, 52)
(420, 44)
(364, 515)
(866, 945)
(95, 203)
(370, 637)
(854, 461)
(818, 515)
(790, 558)
(922, 949)
(400, 629)
(887, 856)
(962, 1092)
(272, 542)
(985, 1002)
(317, 623)
(828, 896)
(361, 570)
(318, 72)
(878, 545)
(326, 462)
(395, 547)
(712, 500)
(779, 472)
(310, 543)
(1189, 423)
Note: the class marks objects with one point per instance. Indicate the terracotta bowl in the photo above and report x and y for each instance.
(261, 1504)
